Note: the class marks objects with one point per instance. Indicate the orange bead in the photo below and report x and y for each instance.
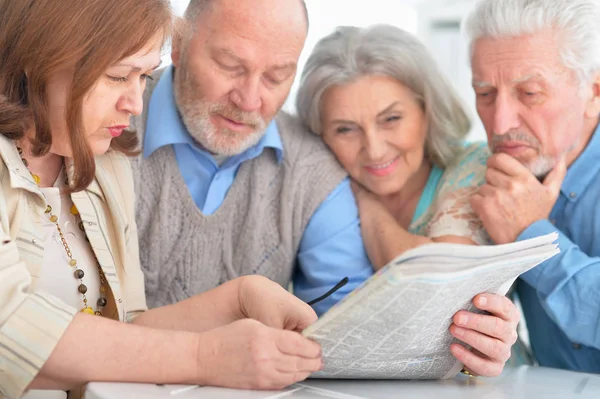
(74, 210)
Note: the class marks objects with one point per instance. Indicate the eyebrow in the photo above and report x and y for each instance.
(389, 108)
(137, 68)
(386, 110)
(481, 84)
(289, 65)
(525, 78)
(341, 121)
(229, 53)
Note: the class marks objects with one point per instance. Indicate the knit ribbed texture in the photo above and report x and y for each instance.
(257, 229)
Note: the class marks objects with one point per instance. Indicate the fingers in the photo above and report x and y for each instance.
(507, 165)
(498, 305)
(493, 348)
(280, 309)
(358, 190)
(299, 357)
(490, 335)
(295, 364)
(478, 365)
(476, 202)
(294, 344)
(487, 190)
(281, 380)
(554, 179)
(495, 178)
(492, 326)
(300, 315)
(274, 380)
(280, 358)
(292, 369)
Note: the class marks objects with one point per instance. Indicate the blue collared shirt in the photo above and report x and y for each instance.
(331, 247)
(561, 297)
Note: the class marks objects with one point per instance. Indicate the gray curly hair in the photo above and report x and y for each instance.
(350, 53)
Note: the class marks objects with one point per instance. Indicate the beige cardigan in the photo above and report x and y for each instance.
(32, 322)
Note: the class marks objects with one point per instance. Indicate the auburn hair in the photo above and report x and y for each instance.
(41, 37)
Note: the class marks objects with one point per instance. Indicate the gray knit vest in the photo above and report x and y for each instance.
(257, 229)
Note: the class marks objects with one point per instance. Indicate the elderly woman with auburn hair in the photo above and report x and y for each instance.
(72, 302)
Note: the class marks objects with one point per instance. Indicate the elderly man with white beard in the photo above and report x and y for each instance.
(536, 75)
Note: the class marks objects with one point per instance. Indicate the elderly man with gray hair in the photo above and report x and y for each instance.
(229, 185)
(536, 75)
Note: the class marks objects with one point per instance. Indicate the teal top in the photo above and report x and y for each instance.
(444, 207)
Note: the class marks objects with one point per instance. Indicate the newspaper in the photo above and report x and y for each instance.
(395, 325)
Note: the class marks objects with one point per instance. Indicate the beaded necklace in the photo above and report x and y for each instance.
(77, 272)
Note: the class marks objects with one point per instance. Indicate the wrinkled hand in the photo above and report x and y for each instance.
(512, 198)
(367, 202)
(263, 300)
(361, 193)
(249, 355)
(490, 336)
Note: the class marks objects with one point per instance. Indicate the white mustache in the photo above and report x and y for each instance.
(239, 116)
(498, 139)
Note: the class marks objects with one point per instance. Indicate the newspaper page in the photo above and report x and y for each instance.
(395, 326)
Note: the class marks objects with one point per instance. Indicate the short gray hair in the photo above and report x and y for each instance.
(576, 21)
(196, 7)
(350, 53)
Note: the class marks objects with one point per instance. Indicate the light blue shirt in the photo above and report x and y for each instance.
(561, 297)
(331, 247)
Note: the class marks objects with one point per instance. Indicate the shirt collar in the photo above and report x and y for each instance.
(165, 127)
(18, 173)
(583, 171)
(271, 139)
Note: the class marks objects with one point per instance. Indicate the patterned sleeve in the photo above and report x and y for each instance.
(453, 214)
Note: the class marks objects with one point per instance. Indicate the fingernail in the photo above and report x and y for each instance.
(458, 332)
(462, 320)
(482, 301)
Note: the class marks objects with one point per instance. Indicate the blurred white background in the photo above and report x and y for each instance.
(436, 22)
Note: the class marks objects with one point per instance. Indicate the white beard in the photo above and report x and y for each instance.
(195, 114)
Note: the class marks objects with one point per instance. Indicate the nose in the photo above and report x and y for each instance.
(375, 145)
(132, 101)
(506, 114)
(247, 96)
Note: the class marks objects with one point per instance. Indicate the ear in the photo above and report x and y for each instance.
(592, 109)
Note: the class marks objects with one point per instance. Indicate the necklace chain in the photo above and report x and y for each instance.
(77, 272)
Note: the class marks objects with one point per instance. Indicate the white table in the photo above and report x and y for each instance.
(522, 382)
